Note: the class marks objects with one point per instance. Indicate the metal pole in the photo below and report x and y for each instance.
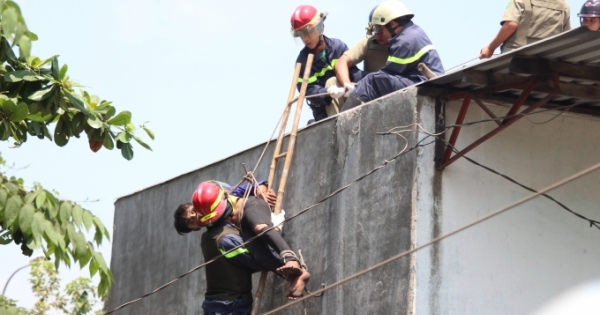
(13, 274)
(4, 290)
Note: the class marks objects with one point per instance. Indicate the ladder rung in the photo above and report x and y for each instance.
(282, 155)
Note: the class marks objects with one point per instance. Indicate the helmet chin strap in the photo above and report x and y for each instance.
(318, 44)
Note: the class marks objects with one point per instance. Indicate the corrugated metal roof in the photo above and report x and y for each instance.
(578, 46)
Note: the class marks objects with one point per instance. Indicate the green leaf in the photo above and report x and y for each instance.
(124, 137)
(41, 95)
(65, 212)
(87, 219)
(25, 45)
(37, 226)
(142, 143)
(123, 118)
(9, 20)
(149, 132)
(40, 199)
(100, 226)
(61, 136)
(3, 197)
(93, 267)
(53, 235)
(130, 127)
(76, 101)
(103, 287)
(22, 75)
(127, 151)
(63, 72)
(108, 141)
(11, 212)
(94, 122)
(55, 69)
(10, 54)
(80, 245)
(37, 117)
(20, 113)
(77, 213)
(32, 195)
(83, 260)
(26, 218)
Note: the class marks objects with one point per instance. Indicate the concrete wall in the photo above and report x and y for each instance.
(508, 265)
(514, 262)
(361, 226)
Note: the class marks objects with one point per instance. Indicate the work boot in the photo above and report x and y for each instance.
(351, 102)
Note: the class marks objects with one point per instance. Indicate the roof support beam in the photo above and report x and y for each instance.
(533, 66)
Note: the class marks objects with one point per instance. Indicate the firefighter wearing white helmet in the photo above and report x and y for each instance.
(307, 24)
(409, 46)
(370, 49)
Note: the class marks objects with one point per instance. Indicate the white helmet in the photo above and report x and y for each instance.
(388, 11)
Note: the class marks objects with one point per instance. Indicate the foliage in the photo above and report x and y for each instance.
(79, 298)
(37, 219)
(36, 93)
(35, 96)
(9, 307)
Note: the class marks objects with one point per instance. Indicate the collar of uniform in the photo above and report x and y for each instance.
(232, 200)
(396, 37)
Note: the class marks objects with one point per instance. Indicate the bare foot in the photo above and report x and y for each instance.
(291, 268)
(297, 285)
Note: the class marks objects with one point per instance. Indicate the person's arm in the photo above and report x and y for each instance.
(342, 72)
(506, 31)
(240, 257)
(313, 89)
(258, 214)
(266, 194)
(509, 24)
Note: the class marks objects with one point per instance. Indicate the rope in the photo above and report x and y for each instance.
(385, 163)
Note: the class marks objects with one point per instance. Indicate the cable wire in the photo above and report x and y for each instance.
(438, 239)
(385, 163)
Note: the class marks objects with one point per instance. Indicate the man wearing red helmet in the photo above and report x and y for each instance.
(229, 280)
(307, 23)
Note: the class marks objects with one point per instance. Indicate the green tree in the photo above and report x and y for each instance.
(37, 95)
(79, 297)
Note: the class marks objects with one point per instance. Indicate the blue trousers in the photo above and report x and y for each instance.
(377, 84)
(216, 307)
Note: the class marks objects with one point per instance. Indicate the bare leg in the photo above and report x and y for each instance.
(291, 268)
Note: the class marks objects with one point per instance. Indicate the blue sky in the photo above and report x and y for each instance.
(211, 77)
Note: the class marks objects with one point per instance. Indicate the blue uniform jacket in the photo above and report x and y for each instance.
(323, 68)
(409, 48)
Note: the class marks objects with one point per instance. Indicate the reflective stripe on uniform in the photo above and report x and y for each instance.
(234, 253)
(409, 60)
(321, 73)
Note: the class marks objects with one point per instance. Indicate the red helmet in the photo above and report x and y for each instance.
(210, 201)
(305, 18)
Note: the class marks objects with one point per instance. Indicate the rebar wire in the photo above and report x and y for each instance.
(385, 163)
(463, 63)
(438, 239)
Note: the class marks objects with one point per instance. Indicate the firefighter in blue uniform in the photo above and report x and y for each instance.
(307, 23)
(409, 46)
